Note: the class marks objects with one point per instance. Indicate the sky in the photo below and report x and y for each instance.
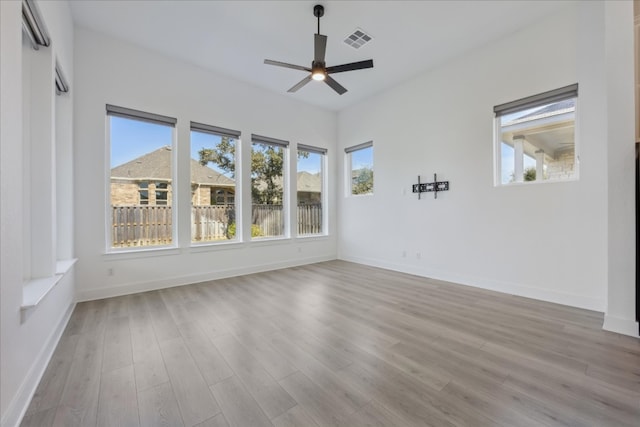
(131, 139)
(362, 158)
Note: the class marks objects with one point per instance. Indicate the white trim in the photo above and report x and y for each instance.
(135, 287)
(34, 291)
(20, 403)
(573, 300)
(620, 325)
(143, 252)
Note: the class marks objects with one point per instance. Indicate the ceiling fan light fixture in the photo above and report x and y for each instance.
(318, 75)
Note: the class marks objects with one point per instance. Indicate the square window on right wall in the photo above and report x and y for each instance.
(535, 138)
(359, 161)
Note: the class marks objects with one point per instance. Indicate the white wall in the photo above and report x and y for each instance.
(547, 241)
(26, 342)
(109, 71)
(621, 115)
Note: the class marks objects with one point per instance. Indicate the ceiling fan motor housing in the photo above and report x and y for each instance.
(318, 11)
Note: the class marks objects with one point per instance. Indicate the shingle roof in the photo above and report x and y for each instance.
(308, 182)
(156, 165)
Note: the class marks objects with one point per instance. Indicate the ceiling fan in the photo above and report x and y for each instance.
(319, 70)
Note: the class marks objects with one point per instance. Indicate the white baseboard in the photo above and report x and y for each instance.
(572, 300)
(20, 403)
(620, 325)
(152, 285)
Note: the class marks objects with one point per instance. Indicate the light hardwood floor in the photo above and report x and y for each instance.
(336, 344)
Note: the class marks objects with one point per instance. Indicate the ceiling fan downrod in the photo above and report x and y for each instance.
(318, 12)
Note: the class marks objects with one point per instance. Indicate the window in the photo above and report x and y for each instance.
(309, 192)
(360, 172)
(535, 138)
(140, 178)
(213, 186)
(268, 179)
(144, 193)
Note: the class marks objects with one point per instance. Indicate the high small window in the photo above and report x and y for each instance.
(360, 171)
(213, 185)
(268, 180)
(535, 138)
(140, 178)
(310, 192)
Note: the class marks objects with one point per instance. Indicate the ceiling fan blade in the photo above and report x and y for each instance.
(285, 65)
(300, 84)
(350, 67)
(319, 47)
(335, 85)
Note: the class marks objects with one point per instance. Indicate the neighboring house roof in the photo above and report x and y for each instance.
(156, 165)
(308, 182)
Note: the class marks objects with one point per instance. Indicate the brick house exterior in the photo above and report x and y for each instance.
(147, 180)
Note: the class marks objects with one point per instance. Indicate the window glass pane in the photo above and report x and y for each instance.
(213, 167)
(140, 183)
(538, 144)
(362, 171)
(309, 193)
(267, 191)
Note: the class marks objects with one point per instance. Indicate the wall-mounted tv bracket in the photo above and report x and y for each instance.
(427, 187)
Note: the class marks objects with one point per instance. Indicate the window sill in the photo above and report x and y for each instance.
(142, 253)
(534, 183)
(311, 237)
(207, 247)
(35, 290)
(265, 241)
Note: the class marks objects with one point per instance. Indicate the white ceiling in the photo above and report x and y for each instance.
(233, 38)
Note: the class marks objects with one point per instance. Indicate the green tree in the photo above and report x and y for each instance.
(530, 174)
(223, 156)
(362, 181)
(267, 162)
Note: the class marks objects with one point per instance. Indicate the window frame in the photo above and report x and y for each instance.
(237, 196)
(286, 203)
(523, 104)
(141, 116)
(323, 189)
(349, 168)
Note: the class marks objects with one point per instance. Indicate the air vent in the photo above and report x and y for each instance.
(358, 38)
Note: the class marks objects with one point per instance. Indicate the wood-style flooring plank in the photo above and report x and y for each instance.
(79, 401)
(118, 403)
(336, 344)
(238, 405)
(51, 386)
(263, 387)
(294, 417)
(158, 407)
(117, 344)
(194, 398)
(323, 408)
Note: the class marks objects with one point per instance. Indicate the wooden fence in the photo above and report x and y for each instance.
(210, 223)
(309, 219)
(142, 225)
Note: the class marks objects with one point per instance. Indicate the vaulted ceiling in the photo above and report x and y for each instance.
(233, 38)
